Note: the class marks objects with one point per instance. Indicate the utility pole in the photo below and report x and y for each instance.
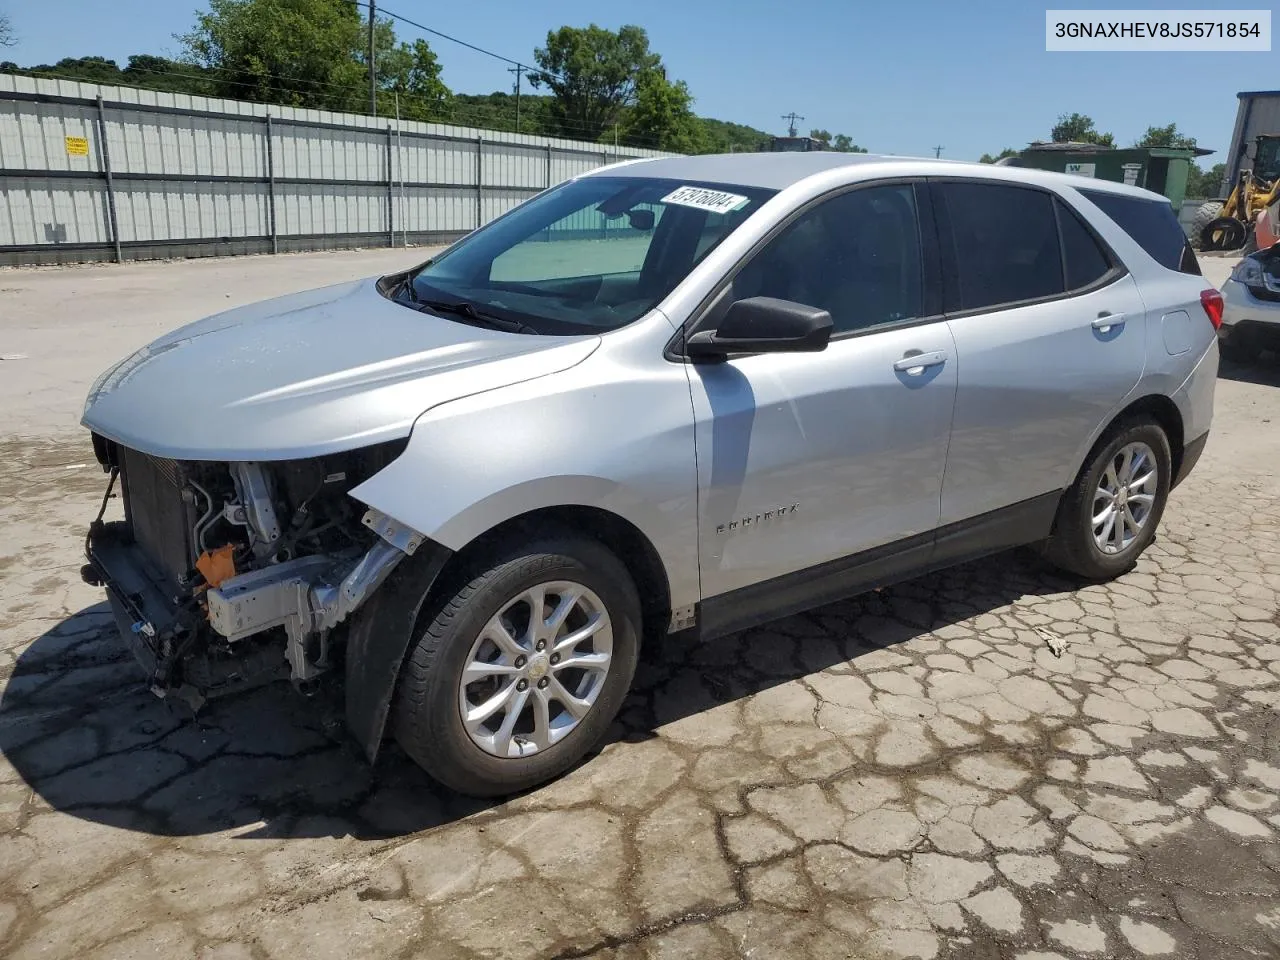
(791, 119)
(373, 73)
(937, 152)
(518, 69)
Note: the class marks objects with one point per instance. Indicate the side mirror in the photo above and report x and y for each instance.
(763, 325)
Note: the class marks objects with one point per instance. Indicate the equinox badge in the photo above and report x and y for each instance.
(756, 520)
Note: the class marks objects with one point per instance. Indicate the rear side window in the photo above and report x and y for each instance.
(1152, 225)
(1085, 261)
(1004, 245)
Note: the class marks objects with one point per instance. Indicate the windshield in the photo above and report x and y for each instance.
(1266, 161)
(588, 256)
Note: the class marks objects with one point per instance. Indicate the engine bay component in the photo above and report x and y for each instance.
(217, 565)
(228, 574)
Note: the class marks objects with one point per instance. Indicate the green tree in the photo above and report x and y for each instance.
(840, 143)
(311, 53)
(413, 72)
(1205, 184)
(663, 117)
(161, 73)
(298, 52)
(725, 137)
(89, 69)
(1006, 152)
(844, 144)
(1077, 128)
(1166, 137)
(593, 74)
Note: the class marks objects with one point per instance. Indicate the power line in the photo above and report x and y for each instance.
(464, 43)
(791, 119)
(937, 152)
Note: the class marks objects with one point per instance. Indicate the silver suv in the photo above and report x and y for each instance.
(674, 395)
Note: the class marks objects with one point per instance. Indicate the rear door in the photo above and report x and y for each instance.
(1049, 333)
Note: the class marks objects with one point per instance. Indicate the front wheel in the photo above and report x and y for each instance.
(522, 669)
(1109, 515)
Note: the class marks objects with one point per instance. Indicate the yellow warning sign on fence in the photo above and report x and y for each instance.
(77, 146)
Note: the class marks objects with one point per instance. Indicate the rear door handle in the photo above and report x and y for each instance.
(916, 363)
(1106, 321)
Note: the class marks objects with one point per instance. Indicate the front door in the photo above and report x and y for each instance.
(805, 460)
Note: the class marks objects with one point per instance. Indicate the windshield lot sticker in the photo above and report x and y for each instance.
(700, 198)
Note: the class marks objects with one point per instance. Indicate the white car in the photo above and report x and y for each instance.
(1251, 307)
(682, 395)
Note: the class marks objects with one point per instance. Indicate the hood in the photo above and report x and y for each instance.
(308, 374)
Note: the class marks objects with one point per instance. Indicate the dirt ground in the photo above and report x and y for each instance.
(909, 774)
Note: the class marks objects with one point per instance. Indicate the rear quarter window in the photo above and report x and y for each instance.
(1152, 225)
(1085, 261)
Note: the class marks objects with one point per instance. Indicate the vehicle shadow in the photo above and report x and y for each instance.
(92, 742)
(1265, 370)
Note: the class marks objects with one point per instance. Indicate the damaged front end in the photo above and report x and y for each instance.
(224, 576)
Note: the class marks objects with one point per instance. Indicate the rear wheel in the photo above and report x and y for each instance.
(522, 669)
(1109, 515)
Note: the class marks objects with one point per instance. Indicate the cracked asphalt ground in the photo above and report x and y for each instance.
(913, 773)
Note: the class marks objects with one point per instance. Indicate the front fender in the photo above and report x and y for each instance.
(585, 438)
(378, 640)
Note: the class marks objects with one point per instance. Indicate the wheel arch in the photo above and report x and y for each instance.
(1154, 406)
(622, 537)
(1167, 416)
(382, 632)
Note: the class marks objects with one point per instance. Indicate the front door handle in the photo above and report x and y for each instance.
(1106, 321)
(916, 363)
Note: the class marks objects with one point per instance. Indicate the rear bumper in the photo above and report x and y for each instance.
(1242, 311)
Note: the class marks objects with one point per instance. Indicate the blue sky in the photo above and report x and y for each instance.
(898, 77)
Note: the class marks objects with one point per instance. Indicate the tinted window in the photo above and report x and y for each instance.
(1153, 226)
(1084, 259)
(715, 228)
(589, 255)
(1004, 243)
(856, 255)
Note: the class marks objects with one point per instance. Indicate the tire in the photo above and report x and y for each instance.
(428, 713)
(1206, 213)
(1073, 546)
(1231, 230)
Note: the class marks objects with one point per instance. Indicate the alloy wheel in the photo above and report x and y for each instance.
(536, 669)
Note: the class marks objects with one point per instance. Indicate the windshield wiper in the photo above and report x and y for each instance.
(407, 286)
(468, 312)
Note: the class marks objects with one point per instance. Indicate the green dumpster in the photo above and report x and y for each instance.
(1160, 169)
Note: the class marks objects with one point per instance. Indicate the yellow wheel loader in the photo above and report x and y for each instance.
(1233, 223)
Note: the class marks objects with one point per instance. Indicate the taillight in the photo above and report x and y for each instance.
(1211, 300)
